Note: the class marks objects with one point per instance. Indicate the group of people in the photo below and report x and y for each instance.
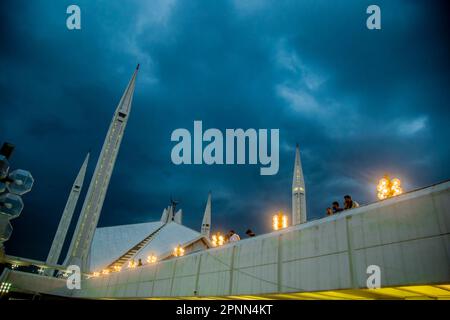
(349, 203)
(232, 236)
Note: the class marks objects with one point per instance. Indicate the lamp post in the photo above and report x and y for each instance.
(387, 188)
(13, 185)
(279, 221)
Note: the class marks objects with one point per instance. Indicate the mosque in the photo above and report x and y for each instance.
(407, 237)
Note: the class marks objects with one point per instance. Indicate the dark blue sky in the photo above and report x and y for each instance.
(359, 102)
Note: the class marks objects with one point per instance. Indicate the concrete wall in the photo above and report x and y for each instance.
(407, 237)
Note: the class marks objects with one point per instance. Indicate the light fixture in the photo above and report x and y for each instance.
(279, 221)
(4, 287)
(151, 258)
(387, 188)
(217, 240)
(117, 268)
(178, 251)
(131, 264)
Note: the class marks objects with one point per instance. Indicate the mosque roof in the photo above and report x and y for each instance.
(111, 243)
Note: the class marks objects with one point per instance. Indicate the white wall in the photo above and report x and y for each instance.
(407, 236)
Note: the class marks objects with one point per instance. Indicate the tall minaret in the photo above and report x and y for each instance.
(64, 223)
(298, 192)
(90, 213)
(206, 223)
(178, 217)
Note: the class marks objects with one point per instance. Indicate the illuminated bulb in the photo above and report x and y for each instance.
(388, 188)
(217, 240)
(279, 221)
(151, 258)
(178, 251)
(275, 222)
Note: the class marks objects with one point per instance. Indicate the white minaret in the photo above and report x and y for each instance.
(206, 223)
(164, 215)
(298, 192)
(64, 223)
(90, 213)
(178, 218)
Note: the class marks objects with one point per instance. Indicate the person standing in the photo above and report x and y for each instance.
(349, 203)
(233, 236)
(250, 233)
(336, 207)
(329, 212)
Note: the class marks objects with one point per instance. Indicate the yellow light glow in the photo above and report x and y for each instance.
(105, 271)
(131, 264)
(217, 240)
(279, 221)
(389, 188)
(117, 268)
(178, 251)
(151, 258)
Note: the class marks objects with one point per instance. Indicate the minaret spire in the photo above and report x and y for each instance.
(206, 223)
(93, 203)
(66, 218)
(298, 191)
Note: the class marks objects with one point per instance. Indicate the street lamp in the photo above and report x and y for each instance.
(178, 251)
(217, 240)
(279, 221)
(388, 188)
(12, 186)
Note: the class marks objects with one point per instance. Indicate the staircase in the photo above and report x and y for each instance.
(131, 253)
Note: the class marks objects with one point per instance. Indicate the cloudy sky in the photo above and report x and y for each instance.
(360, 103)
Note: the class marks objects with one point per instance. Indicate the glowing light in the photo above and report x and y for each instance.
(131, 264)
(279, 221)
(41, 270)
(117, 268)
(4, 287)
(178, 251)
(387, 188)
(152, 258)
(14, 266)
(95, 274)
(105, 271)
(217, 240)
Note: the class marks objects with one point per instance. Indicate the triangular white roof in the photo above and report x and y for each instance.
(110, 243)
